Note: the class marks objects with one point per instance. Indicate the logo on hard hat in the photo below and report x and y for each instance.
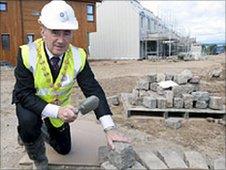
(63, 16)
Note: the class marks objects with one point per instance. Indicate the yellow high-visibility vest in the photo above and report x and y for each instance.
(58, 92)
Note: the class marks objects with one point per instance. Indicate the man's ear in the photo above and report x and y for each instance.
(42, 31)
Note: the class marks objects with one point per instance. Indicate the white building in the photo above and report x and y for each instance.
(126, 30)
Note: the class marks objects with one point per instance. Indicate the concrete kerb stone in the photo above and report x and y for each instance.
(219, 163)
(195, 160)
(149, 159)
(172, 158)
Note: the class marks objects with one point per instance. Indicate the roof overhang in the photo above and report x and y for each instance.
(161, 36)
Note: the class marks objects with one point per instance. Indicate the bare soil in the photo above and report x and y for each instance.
(121, 76)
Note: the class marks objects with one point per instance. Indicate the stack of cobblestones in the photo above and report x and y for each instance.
(180, 91)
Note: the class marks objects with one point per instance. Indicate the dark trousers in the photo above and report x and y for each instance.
(30, 125)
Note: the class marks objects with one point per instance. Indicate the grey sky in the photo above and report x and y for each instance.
(204, 20)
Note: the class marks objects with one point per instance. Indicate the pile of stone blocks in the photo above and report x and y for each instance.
(173, 91)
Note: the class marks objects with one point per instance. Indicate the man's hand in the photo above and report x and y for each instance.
(114, 135)
(67, 113)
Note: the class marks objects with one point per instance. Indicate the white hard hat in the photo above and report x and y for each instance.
(58, 15)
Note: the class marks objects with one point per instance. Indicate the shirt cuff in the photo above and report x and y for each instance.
(106, 121)
(51, 110)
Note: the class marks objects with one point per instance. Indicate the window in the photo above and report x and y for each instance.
(88, 43)
(149, 24)
(90, 12)
(3, 6)
(5, 41)
(30, 38)
(142, 16)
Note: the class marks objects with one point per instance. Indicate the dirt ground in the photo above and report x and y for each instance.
(121, 76)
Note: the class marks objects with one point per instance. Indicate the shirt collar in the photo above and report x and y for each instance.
(50, 55)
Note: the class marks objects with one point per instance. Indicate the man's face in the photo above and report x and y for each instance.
(57, 41)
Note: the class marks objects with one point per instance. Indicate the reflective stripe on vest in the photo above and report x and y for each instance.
(59, 92)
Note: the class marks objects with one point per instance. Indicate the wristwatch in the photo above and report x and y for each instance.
(109, 128)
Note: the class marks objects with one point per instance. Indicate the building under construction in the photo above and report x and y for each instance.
(127, 30)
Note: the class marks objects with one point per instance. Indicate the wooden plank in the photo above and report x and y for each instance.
(141, 108)
(131, 110)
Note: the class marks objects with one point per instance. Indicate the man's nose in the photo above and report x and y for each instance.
(61, 37)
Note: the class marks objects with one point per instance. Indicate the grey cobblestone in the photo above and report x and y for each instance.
(161, 102)
(150, 102)
(188, 101)
(123, 156)
(152, 78)
(200, 95)
(201, 104)
(153, 86)
(169, 98)
(174, 123)
(161, 77)
(169, 76)
(178, 102)
(216, 103)
(143, 85)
